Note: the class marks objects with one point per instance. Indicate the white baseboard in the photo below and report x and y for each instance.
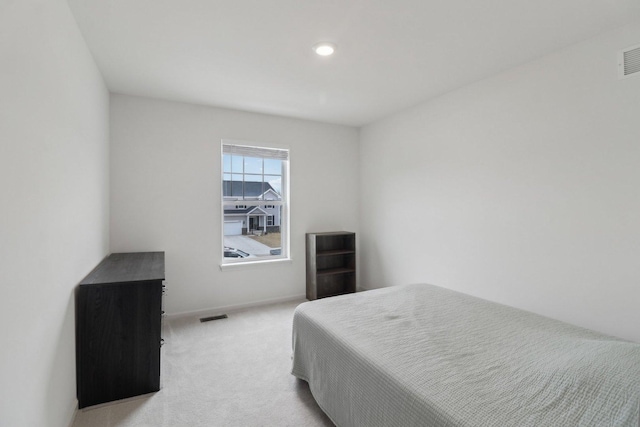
(220, 310)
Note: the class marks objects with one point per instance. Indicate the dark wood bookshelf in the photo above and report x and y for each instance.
(329, 271)
(336, 252)
(331, 264)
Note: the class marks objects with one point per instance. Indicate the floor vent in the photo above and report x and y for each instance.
(629, 62)
(209, 319)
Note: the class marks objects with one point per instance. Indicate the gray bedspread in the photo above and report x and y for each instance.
(421, 355)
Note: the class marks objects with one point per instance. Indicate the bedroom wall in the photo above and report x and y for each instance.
(165, 194)
(54, 215)
(523, 188)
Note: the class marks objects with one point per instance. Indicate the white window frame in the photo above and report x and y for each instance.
(229, 263)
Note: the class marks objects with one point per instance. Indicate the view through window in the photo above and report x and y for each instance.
(254, 201)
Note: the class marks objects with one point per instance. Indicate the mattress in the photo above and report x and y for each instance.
(421, 355)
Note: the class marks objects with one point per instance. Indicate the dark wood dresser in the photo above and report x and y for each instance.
(118, 326)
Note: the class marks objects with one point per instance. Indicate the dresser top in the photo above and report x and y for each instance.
(127, 267)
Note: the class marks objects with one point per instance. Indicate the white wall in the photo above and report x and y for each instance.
(54, 215)
(523, 188)
(165, 194)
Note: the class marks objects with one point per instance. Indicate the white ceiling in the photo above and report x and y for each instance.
(255, 55)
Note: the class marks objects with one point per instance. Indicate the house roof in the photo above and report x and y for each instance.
(249, 209)
(238, 211)
(251, 189)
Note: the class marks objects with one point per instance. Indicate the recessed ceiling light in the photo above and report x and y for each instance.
(324, 48)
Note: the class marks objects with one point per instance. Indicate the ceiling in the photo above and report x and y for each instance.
(255, 55)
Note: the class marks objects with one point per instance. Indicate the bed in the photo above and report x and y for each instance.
(421, 355)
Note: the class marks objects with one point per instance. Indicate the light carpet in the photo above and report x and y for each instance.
(228, 372)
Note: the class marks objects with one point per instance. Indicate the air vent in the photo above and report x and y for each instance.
(629, 62)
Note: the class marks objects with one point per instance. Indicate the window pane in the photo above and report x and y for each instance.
(253, 187)
(262, 236)
(272, 166)
(253, 178)
(226, 163)
(253, 165)
(236, 189)
(236, 164)
(226, 177)
(275, 181)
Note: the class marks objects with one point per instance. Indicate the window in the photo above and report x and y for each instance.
(254, 178)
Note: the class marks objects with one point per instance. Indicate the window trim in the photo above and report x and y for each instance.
(254, 264)
(285, 203)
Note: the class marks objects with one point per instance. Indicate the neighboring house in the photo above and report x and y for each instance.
(244, 218)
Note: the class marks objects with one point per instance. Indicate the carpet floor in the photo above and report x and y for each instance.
(228, 372)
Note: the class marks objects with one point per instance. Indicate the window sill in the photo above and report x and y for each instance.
(253, 264)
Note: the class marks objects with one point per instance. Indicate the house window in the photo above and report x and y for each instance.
(254, 178)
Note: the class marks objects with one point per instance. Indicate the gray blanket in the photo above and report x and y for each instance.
(421, 355)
